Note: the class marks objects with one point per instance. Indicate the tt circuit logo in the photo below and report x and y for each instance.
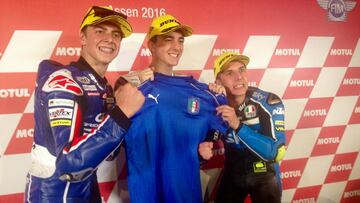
(337, 9)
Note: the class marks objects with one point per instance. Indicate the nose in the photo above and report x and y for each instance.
(238, 75)
(108, 36)
(178, 45)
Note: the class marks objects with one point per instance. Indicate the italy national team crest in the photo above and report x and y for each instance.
(193, 105)
(250, 111)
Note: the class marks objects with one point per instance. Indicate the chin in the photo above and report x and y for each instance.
(239, 92)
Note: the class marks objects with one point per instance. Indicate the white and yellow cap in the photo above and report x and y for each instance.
(165, 24)
(227, 57)
(97, 14)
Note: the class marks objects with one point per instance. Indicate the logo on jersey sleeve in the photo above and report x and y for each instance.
(57, 113)
(193, 105)
(62, 80)
(250, 111)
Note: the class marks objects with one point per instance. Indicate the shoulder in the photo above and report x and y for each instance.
(58, 77)
(264, 97)
(219, 99)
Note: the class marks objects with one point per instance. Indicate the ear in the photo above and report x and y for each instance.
(82, 37)
(218, 82)
(151, 45)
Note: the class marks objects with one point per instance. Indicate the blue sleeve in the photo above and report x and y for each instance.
(267, 143)
(78, 153)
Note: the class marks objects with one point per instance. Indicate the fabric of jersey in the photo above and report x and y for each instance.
(162, 142)
(250, 166)
(77, 126)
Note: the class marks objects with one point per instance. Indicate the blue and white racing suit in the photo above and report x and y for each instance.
(77, 126)
(253, 151)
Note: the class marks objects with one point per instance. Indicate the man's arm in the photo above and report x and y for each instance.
(78, 153)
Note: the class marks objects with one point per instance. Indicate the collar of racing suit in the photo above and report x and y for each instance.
(83, 65)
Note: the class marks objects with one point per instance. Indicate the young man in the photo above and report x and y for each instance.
(255, 142)
(179, 112)
(78, 122)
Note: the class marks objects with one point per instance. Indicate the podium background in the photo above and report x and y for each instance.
(296, 51)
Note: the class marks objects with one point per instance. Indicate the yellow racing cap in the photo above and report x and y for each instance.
(99, 14)
(227, 57)
(167, 23)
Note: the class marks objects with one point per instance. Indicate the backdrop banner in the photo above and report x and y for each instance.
(307, 52)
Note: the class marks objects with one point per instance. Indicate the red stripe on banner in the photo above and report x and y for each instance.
(16, 197)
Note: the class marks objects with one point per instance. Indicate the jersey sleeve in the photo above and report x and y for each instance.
(269, 144)
(78, 153)
(218, 125)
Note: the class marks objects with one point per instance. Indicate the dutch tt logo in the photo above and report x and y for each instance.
(337, 8)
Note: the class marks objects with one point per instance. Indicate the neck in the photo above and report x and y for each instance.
(163, 69)
(236, 101)
(100, 68)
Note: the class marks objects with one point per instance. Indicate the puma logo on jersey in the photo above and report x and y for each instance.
(150, 96)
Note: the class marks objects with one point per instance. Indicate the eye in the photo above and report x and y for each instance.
(99, 31)
(242, 69)
(117, 35)
(228, 73)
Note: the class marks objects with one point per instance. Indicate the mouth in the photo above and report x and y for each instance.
(107, 50)
(175, 55)
(238, 86)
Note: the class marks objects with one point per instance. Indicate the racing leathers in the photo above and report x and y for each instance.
(77, 126)
(252, 151)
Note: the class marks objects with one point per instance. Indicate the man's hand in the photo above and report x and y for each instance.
(228, 114)
(205, 150)
(146, 74)
(217, 89)
(129, 99)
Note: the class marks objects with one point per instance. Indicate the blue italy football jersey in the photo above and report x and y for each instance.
(162, 142)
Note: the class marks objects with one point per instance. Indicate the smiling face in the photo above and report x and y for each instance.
(100, 45)
(166, 50)
(234, 78)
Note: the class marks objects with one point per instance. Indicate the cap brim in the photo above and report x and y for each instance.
(123, 24)
(243, 59)
(184, 29)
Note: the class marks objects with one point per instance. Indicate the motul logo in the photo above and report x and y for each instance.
(341, 52)
(23, 92)
(357, 109)
(218, 52)
(69, 51)
(354, 193)
(342, 167)
(287, 52)
(315, 112)
(291, 174)
(307, 200)
(302, 83)
(145, 52)
(253, 84)
(328, 140)
(23, 133)
(351, 81)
